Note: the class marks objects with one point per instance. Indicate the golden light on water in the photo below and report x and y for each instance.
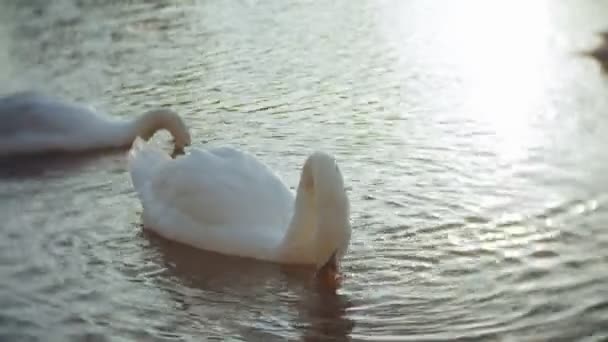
(498, 53)
(502, 54)
(499, 59)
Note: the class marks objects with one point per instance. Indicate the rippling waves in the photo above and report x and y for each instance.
(470, 136)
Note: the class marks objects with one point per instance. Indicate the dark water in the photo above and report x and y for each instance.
(472, 138)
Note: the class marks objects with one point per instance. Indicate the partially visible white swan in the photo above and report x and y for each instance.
(31, 123)
(224, 200)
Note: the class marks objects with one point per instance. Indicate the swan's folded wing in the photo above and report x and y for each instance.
(223, 190)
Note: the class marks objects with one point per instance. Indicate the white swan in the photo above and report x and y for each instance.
(225, 200)
(31, 123)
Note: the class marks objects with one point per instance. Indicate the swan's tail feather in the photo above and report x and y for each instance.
(143, 161)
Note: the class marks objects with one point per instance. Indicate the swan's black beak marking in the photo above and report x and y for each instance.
(332, 264)
(328, 275)
(177, 152)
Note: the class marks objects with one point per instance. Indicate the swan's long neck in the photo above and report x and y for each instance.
(320, 223)
(301, 233)
(152, 121)
(123, 133)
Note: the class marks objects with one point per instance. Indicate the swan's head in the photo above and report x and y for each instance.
(151, 122)
(322, 180)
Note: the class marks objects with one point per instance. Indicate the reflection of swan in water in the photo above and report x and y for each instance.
(325, 313)
(33, 123)
(253, 290)
(225, 273)
(57, 165)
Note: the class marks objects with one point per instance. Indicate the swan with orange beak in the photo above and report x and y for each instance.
(225, 200)
(320, 229)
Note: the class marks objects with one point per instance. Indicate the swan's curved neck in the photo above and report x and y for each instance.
(320, 222)
(302, 231)
(152, 121)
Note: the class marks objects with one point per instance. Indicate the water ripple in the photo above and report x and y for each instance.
(478, 202)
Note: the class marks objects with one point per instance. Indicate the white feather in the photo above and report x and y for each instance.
(225, 200)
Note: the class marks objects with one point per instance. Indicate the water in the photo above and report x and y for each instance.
(471, 136)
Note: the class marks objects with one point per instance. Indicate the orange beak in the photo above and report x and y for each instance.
(329, 274)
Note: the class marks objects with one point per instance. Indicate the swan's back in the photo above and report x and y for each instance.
(217, 199)
(225, 186)
(34, 113)
(35, 123)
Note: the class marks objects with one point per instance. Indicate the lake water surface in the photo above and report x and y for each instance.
(471, 136)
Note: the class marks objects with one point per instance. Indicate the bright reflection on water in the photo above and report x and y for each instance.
(470, 133)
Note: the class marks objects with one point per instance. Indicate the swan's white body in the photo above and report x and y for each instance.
(35, 123)
(225, 200)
